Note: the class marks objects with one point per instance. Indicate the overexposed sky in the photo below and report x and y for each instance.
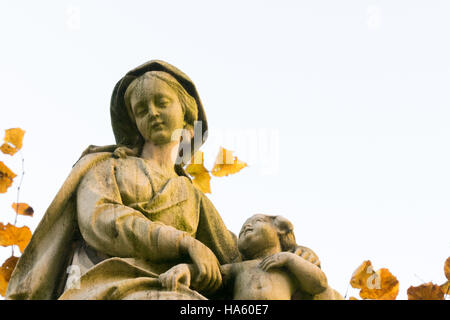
(341, 109)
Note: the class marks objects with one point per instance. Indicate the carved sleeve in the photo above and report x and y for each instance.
(110, 227)
(213, 233)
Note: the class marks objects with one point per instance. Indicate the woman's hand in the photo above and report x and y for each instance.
(174, 276)
(208, 277)
(123, 152)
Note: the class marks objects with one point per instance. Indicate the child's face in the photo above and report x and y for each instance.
(258, 234)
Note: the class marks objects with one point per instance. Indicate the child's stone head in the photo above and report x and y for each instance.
(261, 233)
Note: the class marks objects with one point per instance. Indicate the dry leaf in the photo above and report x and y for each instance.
(5, 273)
(353, 298)
(381, 286)
(12, 235)
(23, 209)
(226, 164)
(3, 285)
(7, 149)
(446, 287)
(447, 268)
(14, 136)
(8, 267)
(202, 182)
(361, 274)
(6, 177)
(197, 170)
(426, 291)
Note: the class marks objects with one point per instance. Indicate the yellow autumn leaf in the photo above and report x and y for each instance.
(7, 149)
(14, 136)
(5, 273)
(23, 209)
(12, 235)
(381, 286)
(202, 181)
(6, 177)
(226, 164)
(447, 268)
(426, 291)
(361, 274)
(197, 170)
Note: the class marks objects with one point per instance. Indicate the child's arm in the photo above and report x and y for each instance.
(311, 279)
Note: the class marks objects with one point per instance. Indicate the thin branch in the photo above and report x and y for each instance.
(18, 194)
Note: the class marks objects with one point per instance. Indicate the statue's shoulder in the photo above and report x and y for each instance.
(198, 193)
(92, 162)
(92, 159)
(107, 160)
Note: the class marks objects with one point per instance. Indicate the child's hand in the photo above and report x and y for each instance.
(175, 275)
(275, 261)
(308, 255)
(122, 152)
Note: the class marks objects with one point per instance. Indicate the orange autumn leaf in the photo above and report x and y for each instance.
(381, 286)
(197, 170)
(7, 149)
(23, 209)
(226, 164)
(3, 285)
(6, 177)
(361, 274)
(353, 298)
(14, 136)
(446, 287)
(12, 235)
(8, 267)
(426, 291)
(5, 273)
(447, 268)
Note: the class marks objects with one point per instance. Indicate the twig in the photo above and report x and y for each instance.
(346, 292)
(448, 290)
(18, 194)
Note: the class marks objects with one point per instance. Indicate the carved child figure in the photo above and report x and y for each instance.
(269, 270)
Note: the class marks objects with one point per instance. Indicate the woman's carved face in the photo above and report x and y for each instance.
(157, 110)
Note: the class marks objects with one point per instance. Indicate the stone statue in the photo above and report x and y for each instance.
(128, 213)
(270, 270)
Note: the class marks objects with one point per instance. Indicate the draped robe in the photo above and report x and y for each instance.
(118, 224)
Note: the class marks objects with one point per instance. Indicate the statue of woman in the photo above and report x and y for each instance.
(127, 212)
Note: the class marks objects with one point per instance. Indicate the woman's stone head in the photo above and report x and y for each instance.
(159, 105)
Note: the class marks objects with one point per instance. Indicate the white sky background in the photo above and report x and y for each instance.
(356, 92)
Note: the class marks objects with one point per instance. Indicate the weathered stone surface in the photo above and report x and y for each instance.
(271, 270)
(128, 223)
